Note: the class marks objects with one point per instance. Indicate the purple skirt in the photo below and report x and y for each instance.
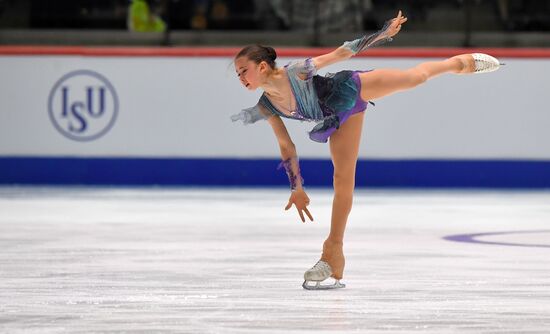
(339, 98)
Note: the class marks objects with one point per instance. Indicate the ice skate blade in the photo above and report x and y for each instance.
(319, 286)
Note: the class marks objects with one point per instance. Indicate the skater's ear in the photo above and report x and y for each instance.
(263, 67)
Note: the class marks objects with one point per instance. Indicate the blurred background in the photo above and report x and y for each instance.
(507, 23)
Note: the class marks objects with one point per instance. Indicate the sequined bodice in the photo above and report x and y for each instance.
(300, 74)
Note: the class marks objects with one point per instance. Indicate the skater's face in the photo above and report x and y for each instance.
(250, 74)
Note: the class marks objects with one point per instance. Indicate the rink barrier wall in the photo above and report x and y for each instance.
(99, 166)
(510, 174)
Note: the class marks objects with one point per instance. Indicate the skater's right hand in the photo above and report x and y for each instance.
(301, 201)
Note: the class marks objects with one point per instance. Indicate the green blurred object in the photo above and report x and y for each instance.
(140, 18)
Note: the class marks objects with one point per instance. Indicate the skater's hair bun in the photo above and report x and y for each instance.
(258, 53)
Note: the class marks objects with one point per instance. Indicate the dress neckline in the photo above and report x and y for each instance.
(292, 96)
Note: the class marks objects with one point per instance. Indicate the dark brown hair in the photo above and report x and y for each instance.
(258, 53)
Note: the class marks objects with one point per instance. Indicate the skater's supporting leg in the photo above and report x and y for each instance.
(383, 82)
(344, 148)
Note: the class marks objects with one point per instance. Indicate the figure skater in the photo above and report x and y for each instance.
(336, 102)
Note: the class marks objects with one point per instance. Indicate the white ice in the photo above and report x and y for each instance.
(171, 260)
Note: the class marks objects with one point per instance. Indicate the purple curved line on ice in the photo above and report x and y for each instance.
(472, 238)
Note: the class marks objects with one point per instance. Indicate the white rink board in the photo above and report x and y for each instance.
(180, 107)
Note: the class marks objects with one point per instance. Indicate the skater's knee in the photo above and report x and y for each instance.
(422, 77)
(344, 181)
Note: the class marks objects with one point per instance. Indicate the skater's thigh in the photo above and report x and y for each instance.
(344, 146)
(382, 82)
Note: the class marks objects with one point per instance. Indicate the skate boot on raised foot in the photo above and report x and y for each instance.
(484, 63)
(475, 63)
(317, 274)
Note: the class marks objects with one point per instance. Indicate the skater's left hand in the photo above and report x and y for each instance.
(396, 23)
(301, 201)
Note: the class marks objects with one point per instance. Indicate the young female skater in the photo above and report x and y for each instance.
(337, 103)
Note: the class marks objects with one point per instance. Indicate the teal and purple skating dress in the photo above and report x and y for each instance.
(328, 100)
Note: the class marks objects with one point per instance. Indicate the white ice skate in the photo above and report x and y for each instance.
(485, 63)
(317, 274)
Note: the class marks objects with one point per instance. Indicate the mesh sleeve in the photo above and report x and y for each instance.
(366, 42)
(252, 115)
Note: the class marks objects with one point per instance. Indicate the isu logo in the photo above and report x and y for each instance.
(83, 105)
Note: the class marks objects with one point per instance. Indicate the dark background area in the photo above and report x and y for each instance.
(295, 16)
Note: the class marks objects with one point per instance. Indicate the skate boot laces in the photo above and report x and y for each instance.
(321, 265)
(319, 272)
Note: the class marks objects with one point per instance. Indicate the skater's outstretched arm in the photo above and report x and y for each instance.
(290, 163)
(351, 48)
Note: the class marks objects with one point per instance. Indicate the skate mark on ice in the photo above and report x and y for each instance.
(473, 238)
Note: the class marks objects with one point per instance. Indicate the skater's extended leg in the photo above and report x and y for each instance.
(344, 148)
(379, 83)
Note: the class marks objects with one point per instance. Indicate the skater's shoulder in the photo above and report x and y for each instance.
(303, 68)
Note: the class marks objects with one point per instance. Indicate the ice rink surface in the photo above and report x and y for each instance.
(181, 260)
